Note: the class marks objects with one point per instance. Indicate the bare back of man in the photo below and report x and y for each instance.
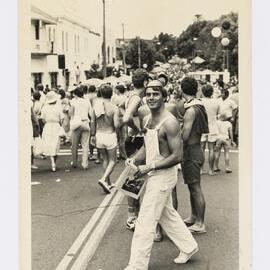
(106, 123)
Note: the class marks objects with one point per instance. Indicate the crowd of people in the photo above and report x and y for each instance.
(161, 124)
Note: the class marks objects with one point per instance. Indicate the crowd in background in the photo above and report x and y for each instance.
(56, 112)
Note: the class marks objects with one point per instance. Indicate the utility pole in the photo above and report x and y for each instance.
(104, 43)
(139, 52)
(124, 49)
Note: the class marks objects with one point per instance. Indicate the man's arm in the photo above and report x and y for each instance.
(189, 118)
(92, 117)
(139, 157)
(174, 143)
(131, 110)
(142, 112)
(116, 119)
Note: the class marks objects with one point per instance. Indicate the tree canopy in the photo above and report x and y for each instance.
(197, 40)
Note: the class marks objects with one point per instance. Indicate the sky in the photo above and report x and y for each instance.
(144, 18)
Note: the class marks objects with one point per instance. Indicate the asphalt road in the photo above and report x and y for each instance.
(64, 202)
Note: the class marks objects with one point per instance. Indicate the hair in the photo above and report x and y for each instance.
(189, 86)
(207, 90)
(157, 86)
(36, 95)
(92, 89)
(79, 92)
(84, 88)
(106, 91)
(220, 83)
(40, 87)
(140, 75)
(62, 93)
(164, 77)
(121, 88)
(226, 93)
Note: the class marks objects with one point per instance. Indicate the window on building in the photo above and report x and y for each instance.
(53, 76)
(63, 41)
(49, 30)
(37, 30)
(37, 77)
(67, 41)
(108, 54)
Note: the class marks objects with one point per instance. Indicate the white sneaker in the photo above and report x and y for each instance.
(184, 257)
(131, 223)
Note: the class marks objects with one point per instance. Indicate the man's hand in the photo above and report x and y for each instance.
(93, 140)
(130, 162)
(233, 144)
(142, 170)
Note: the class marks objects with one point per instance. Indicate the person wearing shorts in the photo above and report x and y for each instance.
(195, 124)
(212, 107)
(225, 141)
(134, 139)
(106, 141)
(105, 138)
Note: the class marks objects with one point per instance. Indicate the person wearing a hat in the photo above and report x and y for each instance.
(52, 116)
(157, 160)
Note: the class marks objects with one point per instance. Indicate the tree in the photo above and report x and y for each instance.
(166, 44)
(147, 54)
(197, 40)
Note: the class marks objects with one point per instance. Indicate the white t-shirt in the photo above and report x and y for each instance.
(212, 107)
(224, 128)
(82, 108)
(227, 106)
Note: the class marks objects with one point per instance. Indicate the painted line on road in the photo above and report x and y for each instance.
(73, 251)
(92, 243)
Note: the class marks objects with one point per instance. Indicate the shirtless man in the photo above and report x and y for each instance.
(135, 139)
(107, 122)
(172, 108)
(195, 123)
(160, 153)
(212, 107)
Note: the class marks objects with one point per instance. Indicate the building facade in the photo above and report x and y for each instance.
(63, 48)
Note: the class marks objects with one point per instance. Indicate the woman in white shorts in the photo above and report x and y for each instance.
(107, 122)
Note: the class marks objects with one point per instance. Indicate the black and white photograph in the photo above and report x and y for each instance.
(134, 139)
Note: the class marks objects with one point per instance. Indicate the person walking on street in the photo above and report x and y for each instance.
(225, 141)
(52, 117)
(195, 124)
(134, 138)
(107, 123)
(161, 153)
(81, 111)
(212, 107)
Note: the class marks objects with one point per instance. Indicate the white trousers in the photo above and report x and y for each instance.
(157, 208)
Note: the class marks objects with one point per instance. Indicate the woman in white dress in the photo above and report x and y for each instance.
(52, 116)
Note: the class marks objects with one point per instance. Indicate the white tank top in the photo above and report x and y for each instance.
(151, 142)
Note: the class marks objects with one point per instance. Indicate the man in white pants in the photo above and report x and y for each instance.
(162, 152)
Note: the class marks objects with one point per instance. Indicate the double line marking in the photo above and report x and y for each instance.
(84, 247)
